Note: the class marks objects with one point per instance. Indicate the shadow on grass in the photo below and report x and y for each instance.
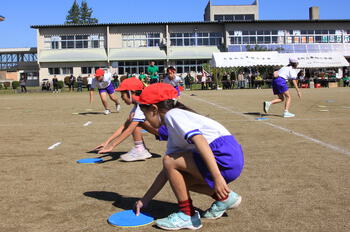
(261, 114)
(112, 156)
(156, 208)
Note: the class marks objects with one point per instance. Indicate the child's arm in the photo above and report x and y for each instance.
(221, 189)
(127, 131)
(155, 188)
(147, 126)
(115, 134)
(295, 83)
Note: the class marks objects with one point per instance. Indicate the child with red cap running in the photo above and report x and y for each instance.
(201, 156)
(136, 121)
(103, 81)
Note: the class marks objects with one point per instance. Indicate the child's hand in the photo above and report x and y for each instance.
(99, 147)
(299, 93)
(221, 189)
(105, 149)
(137, 207)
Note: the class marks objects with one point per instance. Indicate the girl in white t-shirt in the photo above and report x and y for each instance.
(135, 122)
(280, 87)
(202, 156)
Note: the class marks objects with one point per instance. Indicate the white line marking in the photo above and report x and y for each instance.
(87, 123)
(54, 146)
(330, 146)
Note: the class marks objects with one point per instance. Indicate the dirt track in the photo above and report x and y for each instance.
(290, 183)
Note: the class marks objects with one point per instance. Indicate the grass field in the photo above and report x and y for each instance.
(296, 175)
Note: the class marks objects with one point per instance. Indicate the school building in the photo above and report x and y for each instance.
(128, 47)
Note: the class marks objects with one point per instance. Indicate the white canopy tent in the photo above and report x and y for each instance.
(273, 58)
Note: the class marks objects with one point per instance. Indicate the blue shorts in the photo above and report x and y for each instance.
(178, 90)
(109, 89)
(229, 157)
(162, 133)
(279, 85)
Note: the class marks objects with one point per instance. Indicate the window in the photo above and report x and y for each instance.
(86, 70)
(67, 70)
(141, 40)
(132, 67)
(234, 17)
(288, 37)
(184, 66)
(196, 39)
(74, 41)
(54, 71)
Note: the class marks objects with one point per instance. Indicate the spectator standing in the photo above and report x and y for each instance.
(152, 71)
(23, 82)
(71, 82)
(240, 80)
(188, 80)
(346, 80)
(55, 84)
(115, 80)
(143, 78)
(204, 80)
(80, 84)
(89, 82)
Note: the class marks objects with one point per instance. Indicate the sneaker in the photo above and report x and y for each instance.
(179, 220)
(129, 152)
(117, 106)
(218, 208)
(106, 112)
(286, 114)
(136, 155)
(266, 106)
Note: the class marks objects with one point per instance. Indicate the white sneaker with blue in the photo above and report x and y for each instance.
(179, 220)
(287, 114)
(218, 208)
(266, 106)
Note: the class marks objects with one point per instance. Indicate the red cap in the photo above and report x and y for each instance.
(156, 93)
(131, 84)
(99, 72)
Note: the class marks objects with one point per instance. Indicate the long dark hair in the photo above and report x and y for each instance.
(168, 105)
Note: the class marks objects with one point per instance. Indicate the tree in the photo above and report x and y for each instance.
(80, 15)
(73, 14)
(85, 14)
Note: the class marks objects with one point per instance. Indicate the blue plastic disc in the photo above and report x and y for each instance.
(259, 119)
(89, 161)
(127, 218)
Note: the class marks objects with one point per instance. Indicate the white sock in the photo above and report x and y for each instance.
(139, 146)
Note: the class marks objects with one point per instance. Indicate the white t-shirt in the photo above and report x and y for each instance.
(175, 82)
(137, 114)
(288, 72)
(182, 125)
(89, 80)
(106, 81)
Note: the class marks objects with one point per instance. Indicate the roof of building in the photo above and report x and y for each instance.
(18, 50)
(193, 22)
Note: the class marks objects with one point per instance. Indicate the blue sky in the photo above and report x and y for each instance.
(21, 14)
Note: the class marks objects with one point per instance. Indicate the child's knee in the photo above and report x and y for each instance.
(168, 162)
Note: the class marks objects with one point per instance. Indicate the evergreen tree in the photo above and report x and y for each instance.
(85, 14)
(73, 16)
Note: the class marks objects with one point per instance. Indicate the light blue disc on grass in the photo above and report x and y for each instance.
(89, 161)
(260, 119)
(127, 218)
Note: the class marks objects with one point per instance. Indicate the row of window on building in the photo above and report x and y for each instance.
(203, 38)
(131, 67)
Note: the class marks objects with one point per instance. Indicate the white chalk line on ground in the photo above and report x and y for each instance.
(54, 146)
(330, 146)
(87, 123)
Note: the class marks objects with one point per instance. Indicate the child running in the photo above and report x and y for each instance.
(280, 87)
(202, 156)
(173, 79)
(103, 81)
(136, 121)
